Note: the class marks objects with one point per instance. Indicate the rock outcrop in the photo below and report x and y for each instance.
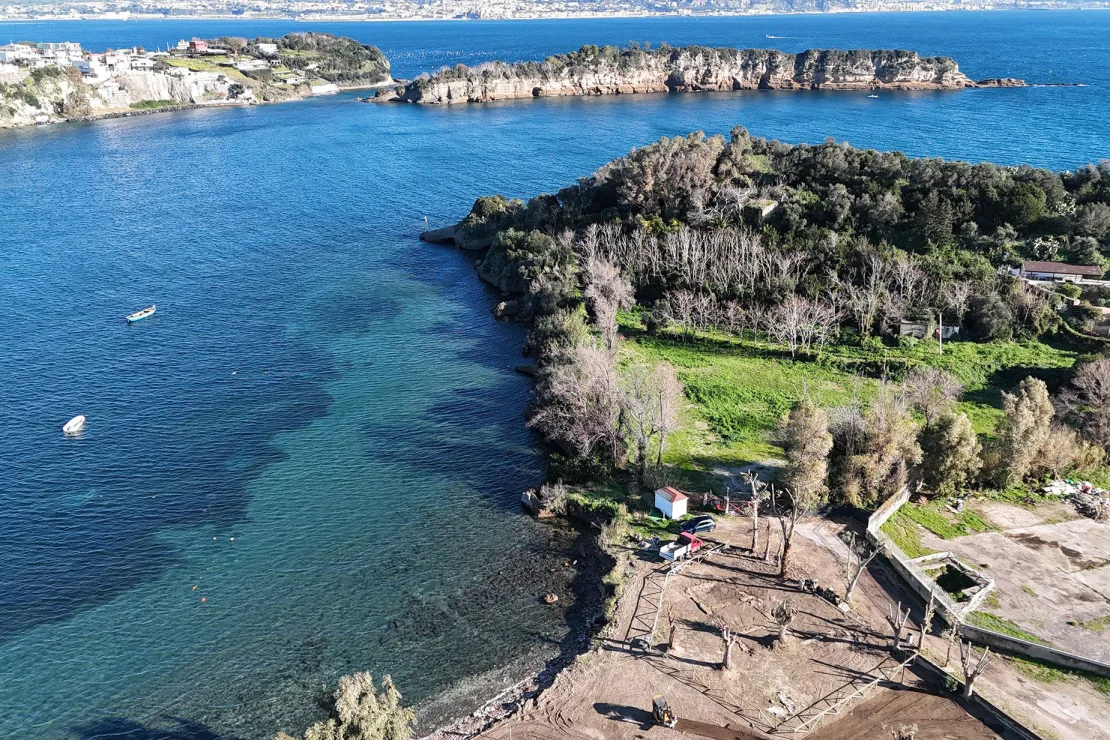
(54, 94)
(63, 97)
(612, 71)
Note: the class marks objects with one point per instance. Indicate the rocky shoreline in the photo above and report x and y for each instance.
(585, 620)
(610, 71)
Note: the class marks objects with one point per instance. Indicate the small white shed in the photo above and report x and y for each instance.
(672, 502)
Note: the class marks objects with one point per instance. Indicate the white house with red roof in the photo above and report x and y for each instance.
(672, 502)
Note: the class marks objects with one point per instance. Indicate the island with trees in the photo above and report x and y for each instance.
(812, 329)
(611, 70)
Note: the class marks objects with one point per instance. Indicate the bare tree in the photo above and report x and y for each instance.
(578, 404)
(607, 291)
(800, 323)
(801, 505)
(951, 635)
(864, 294)
(783, 613)
(927, 620)
(973, 666)
(860, 555)
(956, 295)
(650, 401)
(1085, 402)
(931, 391)
(760, 493)
(735, 318)
(903, 732)
(897, 620)
(730, 639)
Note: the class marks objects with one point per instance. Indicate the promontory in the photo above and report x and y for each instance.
(51, 82)
(612, 70)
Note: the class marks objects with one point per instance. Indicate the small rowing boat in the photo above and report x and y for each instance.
(140, 315)
(74, 425)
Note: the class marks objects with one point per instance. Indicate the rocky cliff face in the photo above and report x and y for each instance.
(610, 71)
(61, 97)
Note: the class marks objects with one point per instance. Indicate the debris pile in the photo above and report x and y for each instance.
(1089, 500)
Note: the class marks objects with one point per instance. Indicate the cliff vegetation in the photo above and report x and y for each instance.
(594, 70)
(768, 275)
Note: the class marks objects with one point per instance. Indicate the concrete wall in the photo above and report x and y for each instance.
(949, 610)
(1009, 644)
(956, 613)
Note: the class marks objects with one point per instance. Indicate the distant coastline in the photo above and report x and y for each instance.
(539, 16)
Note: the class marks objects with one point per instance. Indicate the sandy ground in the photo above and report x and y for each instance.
(770, 688)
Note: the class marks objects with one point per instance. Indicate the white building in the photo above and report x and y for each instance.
(65, 47)
(252, 65)
(93, 69)
(672, 502)
(11, 53)
(141, 63)
(11, 74)
(1059, 271)
(269, 50)
(117, 62)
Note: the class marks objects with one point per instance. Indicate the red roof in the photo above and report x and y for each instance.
(1061, 268)
(672, 494)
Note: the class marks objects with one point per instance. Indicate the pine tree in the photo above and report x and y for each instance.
(1024, 430)
(951, 453)
(806, 441)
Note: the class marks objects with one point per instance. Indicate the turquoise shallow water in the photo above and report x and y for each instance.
(329, 391)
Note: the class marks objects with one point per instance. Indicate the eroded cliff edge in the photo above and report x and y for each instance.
(611, 70)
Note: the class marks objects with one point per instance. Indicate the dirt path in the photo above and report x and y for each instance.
(608, 692)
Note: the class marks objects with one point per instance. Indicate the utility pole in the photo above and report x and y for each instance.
(940, 333)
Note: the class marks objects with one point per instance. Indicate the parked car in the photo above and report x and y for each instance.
(698, 524)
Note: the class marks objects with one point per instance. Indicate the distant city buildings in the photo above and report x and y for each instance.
(492, 9)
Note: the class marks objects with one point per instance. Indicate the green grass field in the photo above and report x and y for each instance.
(153, 104)
(737, 393)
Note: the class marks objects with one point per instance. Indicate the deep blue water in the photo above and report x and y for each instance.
(330, 392)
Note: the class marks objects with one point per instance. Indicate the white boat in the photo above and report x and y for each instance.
(872, 96)
(140, 315)
(74, 425)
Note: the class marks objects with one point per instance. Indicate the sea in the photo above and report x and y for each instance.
(308, 462)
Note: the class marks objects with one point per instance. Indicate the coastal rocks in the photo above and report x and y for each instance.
(610, 71)
(457, 236)
(1001, 82)
(532, 502)
(64, 96)
(506, 309)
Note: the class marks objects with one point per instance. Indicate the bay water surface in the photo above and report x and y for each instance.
(308, 462)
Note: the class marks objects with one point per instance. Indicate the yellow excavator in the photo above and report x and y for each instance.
(661, 712)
